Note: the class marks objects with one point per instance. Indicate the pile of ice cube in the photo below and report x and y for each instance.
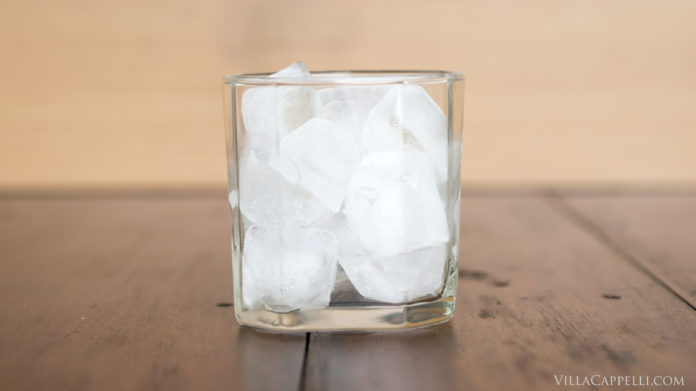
(351, 175)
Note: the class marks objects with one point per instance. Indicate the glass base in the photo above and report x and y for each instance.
(352, 319)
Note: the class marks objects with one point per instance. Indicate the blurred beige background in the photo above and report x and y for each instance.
(110, 94)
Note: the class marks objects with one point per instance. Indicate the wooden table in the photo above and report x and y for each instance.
(135, 292)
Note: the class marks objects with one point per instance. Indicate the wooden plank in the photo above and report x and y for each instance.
(128, 294)
(658, 233)
(537, 298)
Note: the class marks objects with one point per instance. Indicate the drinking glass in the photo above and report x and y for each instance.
(344, 192)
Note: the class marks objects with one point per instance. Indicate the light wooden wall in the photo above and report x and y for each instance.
(127, 93)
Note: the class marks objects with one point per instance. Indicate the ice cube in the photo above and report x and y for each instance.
(320, 157)
(269, 113)
(286, 269)
(298, 104)
(349, 107)
(349, 244)
(407, 117)
(399, 278)
(394, 205)
(265, 197)
(262, 122)
(295, 70)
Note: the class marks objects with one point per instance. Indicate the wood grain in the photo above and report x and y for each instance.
(127, 294)
(657, 232)
(135, 293)
(539, 296)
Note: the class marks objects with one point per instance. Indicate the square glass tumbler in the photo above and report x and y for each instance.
(344, 189)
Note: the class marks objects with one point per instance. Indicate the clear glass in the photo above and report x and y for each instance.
(344, 189)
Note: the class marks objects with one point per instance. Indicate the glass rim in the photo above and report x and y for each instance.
(348, 77)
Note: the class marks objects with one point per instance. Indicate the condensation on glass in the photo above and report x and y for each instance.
(344, 189)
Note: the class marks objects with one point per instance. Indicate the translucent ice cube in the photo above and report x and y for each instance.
(262, 121)
(286, 269)
(320, 157)
(265, 197)
(394, 205)
(269, 113)
(407, 117)
(399, 278)
(295, 70)
(349, 244)
(297, 104)
(349, 107)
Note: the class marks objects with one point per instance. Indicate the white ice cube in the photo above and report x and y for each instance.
(349, 107)
(349, 244)
(295, 70)
(320, 158)
(265, 197)
(399, 278)
(262, 121)
(407, 117)
(286, 269)
(297, 104)
(269, 113)
(394, 205)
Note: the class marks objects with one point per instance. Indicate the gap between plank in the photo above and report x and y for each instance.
(303, 373)
(558, 203)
